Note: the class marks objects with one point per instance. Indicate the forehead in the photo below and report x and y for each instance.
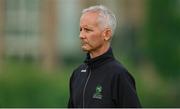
(89, 18)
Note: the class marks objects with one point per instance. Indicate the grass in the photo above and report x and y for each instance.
(26, 85)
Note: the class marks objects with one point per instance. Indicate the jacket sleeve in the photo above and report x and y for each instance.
(124, 91)
(70, 102)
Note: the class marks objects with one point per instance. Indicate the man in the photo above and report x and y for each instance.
(101, 81)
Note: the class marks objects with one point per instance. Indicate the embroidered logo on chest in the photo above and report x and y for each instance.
(98, 93)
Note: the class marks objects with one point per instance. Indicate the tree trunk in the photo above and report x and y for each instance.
(135, 12)
(2, 3)
(48, 36)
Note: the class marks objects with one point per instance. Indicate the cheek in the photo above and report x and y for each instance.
(95, 39)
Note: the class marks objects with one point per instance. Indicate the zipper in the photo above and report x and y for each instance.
(85, 86)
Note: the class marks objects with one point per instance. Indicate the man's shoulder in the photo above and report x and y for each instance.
(118, 69)
(79, 67)
(76, 71)
(116, 66)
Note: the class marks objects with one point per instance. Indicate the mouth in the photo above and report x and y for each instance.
(83, 43)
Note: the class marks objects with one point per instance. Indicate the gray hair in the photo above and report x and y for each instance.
(109, 18)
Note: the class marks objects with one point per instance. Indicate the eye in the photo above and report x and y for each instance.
(80, 29)
(87, 29)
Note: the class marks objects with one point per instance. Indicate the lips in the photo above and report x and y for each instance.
(83, 43)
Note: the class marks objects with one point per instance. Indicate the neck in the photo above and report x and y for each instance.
(99, 51)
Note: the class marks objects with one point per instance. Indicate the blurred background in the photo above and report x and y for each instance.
(39, 48)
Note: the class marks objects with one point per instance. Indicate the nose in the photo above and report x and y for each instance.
(81, 35)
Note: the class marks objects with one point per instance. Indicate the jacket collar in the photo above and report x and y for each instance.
(95, 62)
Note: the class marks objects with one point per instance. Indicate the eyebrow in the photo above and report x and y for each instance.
(87, 26)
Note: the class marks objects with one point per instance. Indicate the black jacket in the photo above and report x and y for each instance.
(102, 82)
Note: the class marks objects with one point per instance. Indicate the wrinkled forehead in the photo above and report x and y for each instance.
(90, 18)
(91, 15)
(94, 18)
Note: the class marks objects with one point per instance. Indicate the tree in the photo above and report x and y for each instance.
(2, 3)
(48, 34)
(163, 36)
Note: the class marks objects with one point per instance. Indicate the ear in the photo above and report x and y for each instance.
(107, 34)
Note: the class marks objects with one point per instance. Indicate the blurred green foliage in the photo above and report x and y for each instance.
(163, 41)
(25, 85)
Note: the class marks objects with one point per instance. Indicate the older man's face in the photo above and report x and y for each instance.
(91, 33)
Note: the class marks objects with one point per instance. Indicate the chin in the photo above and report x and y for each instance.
(85, 49)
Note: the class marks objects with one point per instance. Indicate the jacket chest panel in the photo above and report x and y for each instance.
(98, 89)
